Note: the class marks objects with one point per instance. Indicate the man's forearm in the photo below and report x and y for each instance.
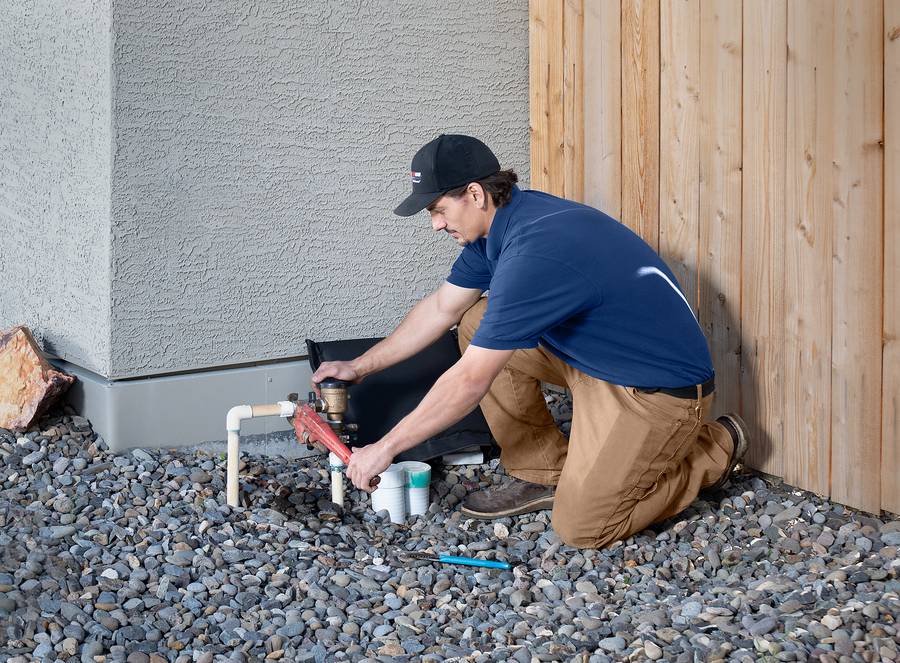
(451, 398)
(421, 327)
(456, 393)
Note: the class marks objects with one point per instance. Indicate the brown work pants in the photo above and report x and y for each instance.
(632, 458)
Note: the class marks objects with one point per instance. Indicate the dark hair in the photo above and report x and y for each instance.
(499, 186)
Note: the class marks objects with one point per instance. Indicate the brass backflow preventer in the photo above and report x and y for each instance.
(332, 401)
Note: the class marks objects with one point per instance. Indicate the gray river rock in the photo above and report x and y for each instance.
(137, 558)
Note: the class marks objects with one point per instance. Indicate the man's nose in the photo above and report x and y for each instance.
(437, 223)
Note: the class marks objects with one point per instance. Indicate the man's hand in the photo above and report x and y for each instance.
(341, 370)
(366, 463)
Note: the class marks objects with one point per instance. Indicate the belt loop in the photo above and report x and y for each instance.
(699, 407)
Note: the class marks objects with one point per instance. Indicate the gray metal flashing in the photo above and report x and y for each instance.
(189, 409)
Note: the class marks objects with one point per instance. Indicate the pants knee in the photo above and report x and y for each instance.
(576, 537)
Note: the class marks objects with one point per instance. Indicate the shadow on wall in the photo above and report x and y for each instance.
(74, 353)
(747, 383)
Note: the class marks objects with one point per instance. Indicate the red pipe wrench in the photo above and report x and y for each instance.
(309, 427)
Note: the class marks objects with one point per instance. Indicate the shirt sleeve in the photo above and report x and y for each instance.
(471, 268)
(529, 296)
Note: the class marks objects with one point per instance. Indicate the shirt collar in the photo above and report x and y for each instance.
(500, 224)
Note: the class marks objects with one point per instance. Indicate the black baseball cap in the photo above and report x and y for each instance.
(446, 163)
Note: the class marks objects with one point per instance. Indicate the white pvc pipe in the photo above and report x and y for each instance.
(233, 425)
(337, 478)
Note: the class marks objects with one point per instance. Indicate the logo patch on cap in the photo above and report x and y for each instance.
(416, 176)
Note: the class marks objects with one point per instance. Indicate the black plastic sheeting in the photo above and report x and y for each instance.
(384, 398)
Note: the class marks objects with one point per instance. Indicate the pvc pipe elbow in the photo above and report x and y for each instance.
(235, 416)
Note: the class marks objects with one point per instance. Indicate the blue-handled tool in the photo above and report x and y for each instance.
(451, 559)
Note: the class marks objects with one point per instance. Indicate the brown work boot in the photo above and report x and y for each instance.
(513, 498)
(740, 436)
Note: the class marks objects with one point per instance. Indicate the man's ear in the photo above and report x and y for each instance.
(477, 193)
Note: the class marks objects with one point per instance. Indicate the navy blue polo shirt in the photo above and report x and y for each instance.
(586, 288)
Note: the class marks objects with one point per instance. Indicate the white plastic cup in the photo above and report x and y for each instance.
(391, 493)
(418, 482)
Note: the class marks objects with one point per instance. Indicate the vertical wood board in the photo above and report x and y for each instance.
(890, 428)
(640, 118)
(679, 157)
(719, 266)
(603, 105)
(762, 228)
(573, 100)
(857, 255)
(808, 246)
(545, 54)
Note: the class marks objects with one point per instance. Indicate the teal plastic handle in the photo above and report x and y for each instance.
(471, 561)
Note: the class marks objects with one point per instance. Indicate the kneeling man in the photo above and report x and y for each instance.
(575, 299)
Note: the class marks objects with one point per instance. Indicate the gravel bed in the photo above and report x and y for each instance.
(136, 557)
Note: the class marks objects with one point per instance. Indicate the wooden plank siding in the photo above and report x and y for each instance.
(755, 146)
(762, 230)
(679, 157)
(603, 105)
(640, 118)
(573, 100)
(890, 424)
(857, 258)
(719, 266)
(808, 242)
(545, 55)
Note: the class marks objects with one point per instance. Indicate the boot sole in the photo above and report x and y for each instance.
(534, 505)
(740, 449)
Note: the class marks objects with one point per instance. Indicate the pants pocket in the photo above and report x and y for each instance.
(658, 404)
(671, 454)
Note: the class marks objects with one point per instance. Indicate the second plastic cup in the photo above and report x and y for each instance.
(391, 493)
(418, 480)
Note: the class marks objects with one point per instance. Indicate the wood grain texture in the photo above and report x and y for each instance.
(573, 100)
(890, 423)
(679, 157)
(776, 130)
(640, 118)
(762, 230)
(719, 267)
(857, 254)
(545, 63)
(808, 246)
(602, 45)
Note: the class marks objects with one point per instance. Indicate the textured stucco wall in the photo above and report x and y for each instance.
(54, 174)
(259, 149)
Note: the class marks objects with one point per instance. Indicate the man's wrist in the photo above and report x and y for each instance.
(392, 445)
(360, 367)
